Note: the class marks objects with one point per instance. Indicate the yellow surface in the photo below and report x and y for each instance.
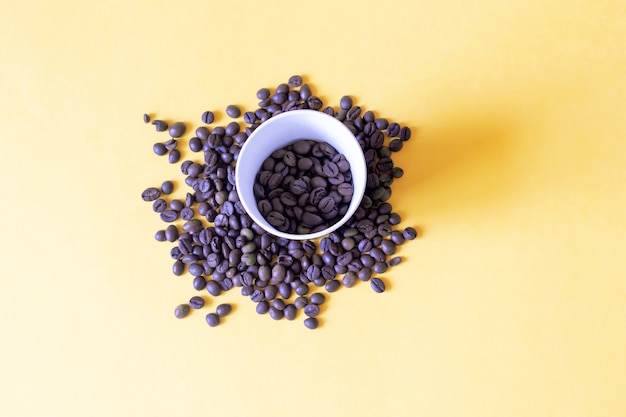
(513, 303)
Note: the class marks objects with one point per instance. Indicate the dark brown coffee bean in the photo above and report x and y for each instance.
(393, 129)
(233, 111)
(311, 323)
(160, 125)
(181, 311)
(295, 81)
(377, 285)
(332, 285)
(177, 129)
(405, 134)
(150, 194)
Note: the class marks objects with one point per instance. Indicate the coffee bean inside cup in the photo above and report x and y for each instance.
(304, 187)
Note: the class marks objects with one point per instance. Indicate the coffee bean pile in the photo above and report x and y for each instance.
(217, 243)
(305, 187)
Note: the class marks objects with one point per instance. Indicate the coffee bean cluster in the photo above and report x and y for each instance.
(304, 187)
(221, 248)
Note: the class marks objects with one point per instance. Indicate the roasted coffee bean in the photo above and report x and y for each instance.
(405, 134)
(199, 283)
(160, 236)
(290, 312)
(178, 268)
(317, 298)
(213, 288)
(233, 111)
(312, 310)
(263, 93)
(160, 125)
(171, 233)
(379, 267)
(177, 129)
(208, 117)
(150, 194)
(364, 274)
(305, 92)
(395, 145)
(332, 285)
(377, 285)
(393, 129)
(223, 310)
(278, 304)
(181, 311)
(159, 205)
(295, 81)
(262, 307)
(311, 323)
(196, 302)
(159, 149)
(388, 247)
(409, 233)
(169, 216)
(349, 279)
(345, 102)
(275, 313)
(212, 319)
(174, 156)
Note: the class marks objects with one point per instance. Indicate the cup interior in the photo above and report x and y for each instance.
(280, 131)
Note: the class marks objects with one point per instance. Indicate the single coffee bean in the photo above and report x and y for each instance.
(349, 279)
(233, 111)
(199, 283)
(312, 310)
(393, 129)
(317, 298)
(364, 274)
(381, 123)
(377, 285)
(212, 319)
(160, 125)
(208, 117)
(345, 102)
(196, 302)
(332, 285)
(305, 92)
(409, 233)
(394, 261)
(146, 118)
(290, 312)
(276, 314)
(181, 311)
(262, 307)
(159, 236)
(379, 267)
(263, 93)
(150, 194)
(174, 156)
(295, 81)
(169, 216)
(213, 288)
(159, 205)
(223, 309)
(177, 129)
(395, 145)
(159, 149)
(405, 134)
(311, 323)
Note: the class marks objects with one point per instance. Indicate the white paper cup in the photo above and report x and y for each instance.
(286, 128)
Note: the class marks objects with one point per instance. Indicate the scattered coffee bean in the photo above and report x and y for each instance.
(295, 81)
(181, 311)
(196, 302)
(177, 129)
(301, 189)
(146, 118)
(174, 156)
(150, 194)
(212, 319)
(160, 125)
(233, 111)
(409, 233)
(159, 149)
(208, 117)
(223, 310)
(311, 322)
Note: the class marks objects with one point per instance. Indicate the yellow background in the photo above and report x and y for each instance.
(512, 303)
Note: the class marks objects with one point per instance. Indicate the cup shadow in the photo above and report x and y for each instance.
(462, 160)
